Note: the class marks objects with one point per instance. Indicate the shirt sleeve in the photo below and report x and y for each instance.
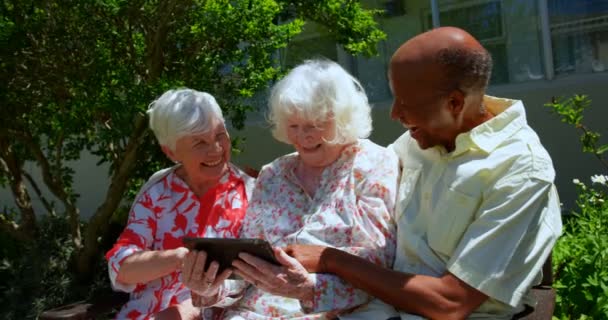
(517, 225)
(373, 234)
(137, 236)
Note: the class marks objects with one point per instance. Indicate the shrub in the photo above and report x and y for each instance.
(580, 257)
(37, 276)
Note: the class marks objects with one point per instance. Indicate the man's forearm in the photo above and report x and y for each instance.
(424, 295)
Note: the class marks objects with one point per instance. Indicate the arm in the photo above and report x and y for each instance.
(145, 266)
(521, 215)
(436, 298)
(130, 261)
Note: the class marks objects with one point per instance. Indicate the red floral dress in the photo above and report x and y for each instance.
(164, 212)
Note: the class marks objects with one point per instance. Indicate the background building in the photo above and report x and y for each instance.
(541, 49)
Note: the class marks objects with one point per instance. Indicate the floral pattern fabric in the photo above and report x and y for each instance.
(351, 210)
(164, 212)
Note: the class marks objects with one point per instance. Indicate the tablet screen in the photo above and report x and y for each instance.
(225, 250)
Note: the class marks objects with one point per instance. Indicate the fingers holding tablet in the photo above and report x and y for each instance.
(203, 282)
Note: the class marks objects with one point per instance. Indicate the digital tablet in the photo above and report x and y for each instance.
(225, 250)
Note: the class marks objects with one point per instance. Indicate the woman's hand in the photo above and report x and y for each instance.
(204, 283)
(310, 256)
(290, 279)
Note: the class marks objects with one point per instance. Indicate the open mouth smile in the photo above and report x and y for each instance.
(213, 163)
(311, 149)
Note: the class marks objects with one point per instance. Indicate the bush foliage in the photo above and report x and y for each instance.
(580, 257)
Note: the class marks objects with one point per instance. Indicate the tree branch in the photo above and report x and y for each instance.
(47, 205)
(12, 167)
(57, 188)
(8, 226)
(598, 156)
(98, 223)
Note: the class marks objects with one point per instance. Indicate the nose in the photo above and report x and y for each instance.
(305, 135)
(217, 147)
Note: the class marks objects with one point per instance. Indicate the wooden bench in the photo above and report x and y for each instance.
(107, 304)
(544, 293)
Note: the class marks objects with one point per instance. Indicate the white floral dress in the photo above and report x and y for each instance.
(351, 210)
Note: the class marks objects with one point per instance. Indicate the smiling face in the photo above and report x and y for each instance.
(432, 117)
(310, 139)
(204, 156)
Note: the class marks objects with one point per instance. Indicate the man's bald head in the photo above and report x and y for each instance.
(446, 59)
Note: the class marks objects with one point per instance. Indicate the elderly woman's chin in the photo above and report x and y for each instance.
(321, 155)
(211, 169)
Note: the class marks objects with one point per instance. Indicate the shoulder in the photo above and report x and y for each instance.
(524, 156)
(375, 164)
(370, 154)
(159, 182)
(248, 181)
(277, 167)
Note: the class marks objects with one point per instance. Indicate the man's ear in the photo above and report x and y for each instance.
(167, 151)
(456, 102)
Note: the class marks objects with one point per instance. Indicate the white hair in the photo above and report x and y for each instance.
(182, 112)
(319, 90)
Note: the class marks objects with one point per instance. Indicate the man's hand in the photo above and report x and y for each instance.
(310, 256)
(288, 280)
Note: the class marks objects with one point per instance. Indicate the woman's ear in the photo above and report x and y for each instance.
(167, 151)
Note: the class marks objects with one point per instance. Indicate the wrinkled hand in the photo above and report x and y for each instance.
(204, 283)
(309, 256)
(290, 279)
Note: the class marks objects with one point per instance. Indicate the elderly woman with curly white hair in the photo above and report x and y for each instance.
(338, 189)
(203, 195)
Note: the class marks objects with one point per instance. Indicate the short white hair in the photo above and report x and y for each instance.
(182, 112)
(319, 90)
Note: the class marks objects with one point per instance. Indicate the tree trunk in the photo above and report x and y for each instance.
(56, 186)
(13, 168)
(99, 222)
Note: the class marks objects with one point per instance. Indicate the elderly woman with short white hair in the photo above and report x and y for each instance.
(203, 195)
(338, 189)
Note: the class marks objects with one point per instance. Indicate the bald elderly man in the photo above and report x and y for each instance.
(477, 211)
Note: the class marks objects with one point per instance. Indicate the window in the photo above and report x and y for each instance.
(579, 34)
(483, 19)
(508, 29)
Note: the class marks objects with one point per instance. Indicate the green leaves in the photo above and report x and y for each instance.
(571, 112)
(602, 149)
(581, 255)
(77, 75)
(571, 109)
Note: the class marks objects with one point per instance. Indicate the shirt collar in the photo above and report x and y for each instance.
(509, 117)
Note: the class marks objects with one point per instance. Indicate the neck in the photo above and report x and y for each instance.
(198, 187)
(479, 116)
(306, 170)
